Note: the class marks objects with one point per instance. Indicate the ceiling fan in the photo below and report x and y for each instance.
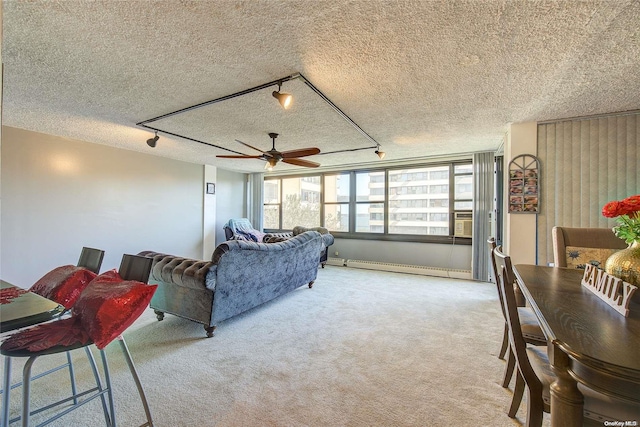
(273, 156)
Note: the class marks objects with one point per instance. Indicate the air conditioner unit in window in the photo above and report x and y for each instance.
(463, 223)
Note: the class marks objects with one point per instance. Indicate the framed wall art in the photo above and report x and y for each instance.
(211, 188)
(524, 184)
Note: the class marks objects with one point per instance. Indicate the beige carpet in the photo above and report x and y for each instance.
(362, 348)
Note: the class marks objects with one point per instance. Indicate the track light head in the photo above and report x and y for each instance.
(151, 142)
(284, 99)
(380, 154)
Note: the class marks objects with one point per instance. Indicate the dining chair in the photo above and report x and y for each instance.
(109, 305)
(528, 322)
(534, 372)
(575, 246)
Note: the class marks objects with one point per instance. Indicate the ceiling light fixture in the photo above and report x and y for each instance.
(151, 142)
(283, 98)
(380, 153)
(271, 163)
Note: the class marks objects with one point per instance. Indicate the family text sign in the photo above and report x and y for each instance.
(612, 290)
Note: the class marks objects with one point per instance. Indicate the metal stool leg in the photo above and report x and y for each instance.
(26, 390)
(26, 387)
(109, 417)
(72, 378)
(107, 380)
(4, 422)
(134, 374)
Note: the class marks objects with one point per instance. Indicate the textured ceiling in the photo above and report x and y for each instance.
(422, 78)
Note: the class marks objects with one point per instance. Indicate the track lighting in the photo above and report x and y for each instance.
(283, 98)
(151, 142)
(380, 154)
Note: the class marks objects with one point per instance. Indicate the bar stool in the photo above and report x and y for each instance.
(64, 286)
(96, 318)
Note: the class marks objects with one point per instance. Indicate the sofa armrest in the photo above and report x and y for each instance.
(185, 272)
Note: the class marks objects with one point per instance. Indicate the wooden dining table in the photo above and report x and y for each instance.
(20, 308)
(588, 341)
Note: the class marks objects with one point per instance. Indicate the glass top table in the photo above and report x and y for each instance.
(20, 308)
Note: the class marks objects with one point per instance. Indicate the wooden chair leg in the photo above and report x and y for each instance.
(505, 342)
(518, 392)
(508, 370)
(535, 409)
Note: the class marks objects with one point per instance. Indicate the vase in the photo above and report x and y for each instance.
(625, 264)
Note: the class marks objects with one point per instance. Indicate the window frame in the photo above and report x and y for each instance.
(353, 203)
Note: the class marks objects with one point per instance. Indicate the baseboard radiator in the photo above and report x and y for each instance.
(402, 268)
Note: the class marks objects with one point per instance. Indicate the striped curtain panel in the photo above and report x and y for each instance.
(585, 163)
(483, 207)
(255, 199)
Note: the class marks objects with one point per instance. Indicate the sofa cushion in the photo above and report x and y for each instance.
(298, 229)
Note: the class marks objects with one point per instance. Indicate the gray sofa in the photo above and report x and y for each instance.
(241, 229)
(241, 275)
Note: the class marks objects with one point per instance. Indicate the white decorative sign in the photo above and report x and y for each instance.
(612, 290)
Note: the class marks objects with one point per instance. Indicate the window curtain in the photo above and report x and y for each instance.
(483, 208)
(585, 163)
(255, 199)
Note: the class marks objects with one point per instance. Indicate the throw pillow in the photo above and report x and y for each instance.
(47, 335)
(578, 257)
(63, 284)
(109, 305)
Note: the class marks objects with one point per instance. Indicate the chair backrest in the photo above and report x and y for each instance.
(91, 259)
(586, 238)
(135, 267)
(506, 280)
(491, 242)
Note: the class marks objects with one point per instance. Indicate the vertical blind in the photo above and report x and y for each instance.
(483, 184)
(255, 199)
(585, 163)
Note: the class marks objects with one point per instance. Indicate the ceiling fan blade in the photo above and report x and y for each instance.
(250, 146)
(301, 162)
(239, 157)
(300, 153)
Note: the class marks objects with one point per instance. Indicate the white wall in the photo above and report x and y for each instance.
(231, 194)
(209, 214)
(60, 194)
(454, 256)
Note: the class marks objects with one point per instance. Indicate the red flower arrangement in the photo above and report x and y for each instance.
(627, 212)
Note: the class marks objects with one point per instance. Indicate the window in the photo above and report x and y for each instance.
(300, 202)
(336, 202)
(463, 187)
(271, 204)
(403, 203)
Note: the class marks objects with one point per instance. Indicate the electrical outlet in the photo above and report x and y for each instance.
(336, 253)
